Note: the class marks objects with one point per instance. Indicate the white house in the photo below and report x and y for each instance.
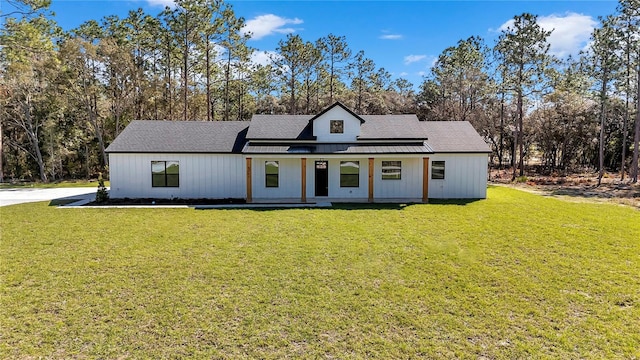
(335, 155)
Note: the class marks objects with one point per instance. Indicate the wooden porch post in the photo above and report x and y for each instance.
(425, 180)
(249, 197)
(370, 179)
(303, 176)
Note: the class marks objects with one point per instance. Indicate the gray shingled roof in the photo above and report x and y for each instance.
(391, 127)
(280, 127)
(154, 136)
(454, 136)
(231, 136)
(412, 148)
(298, 127)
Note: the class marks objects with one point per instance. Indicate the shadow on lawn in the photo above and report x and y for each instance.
(460, 202)
(61, 202)
(340, 206)
(334, 206)
(383, 206)
(355, 206)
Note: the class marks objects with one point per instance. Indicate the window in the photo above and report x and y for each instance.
(165, 174)
(349, 173)
(336, 126)
(391, 170)
(437, 170)
(271, 169)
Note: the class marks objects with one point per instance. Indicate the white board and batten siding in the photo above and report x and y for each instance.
(351, 126)
(289, 179)
(409, 186)
(465, 177)
(215, 176)
(336, 192)
(219, 176)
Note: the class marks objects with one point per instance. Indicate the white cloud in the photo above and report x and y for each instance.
(506, 26)
(404, 73)
(571, 32)
(391, 37)
(413, 58)
(262, 57)
(268, 24)
(161, 3)
(422, 73)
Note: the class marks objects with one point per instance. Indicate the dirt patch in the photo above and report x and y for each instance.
(576, 187)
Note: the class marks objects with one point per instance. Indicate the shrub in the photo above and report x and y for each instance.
(102, 195)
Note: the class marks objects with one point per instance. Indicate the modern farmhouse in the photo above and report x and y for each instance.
(335, 155)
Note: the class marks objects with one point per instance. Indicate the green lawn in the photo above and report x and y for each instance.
(514, 276)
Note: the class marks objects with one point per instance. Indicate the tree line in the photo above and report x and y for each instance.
(67, 94)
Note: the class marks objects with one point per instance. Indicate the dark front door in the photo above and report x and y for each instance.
(322, 178)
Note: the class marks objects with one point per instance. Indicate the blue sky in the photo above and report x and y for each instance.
(404, 37)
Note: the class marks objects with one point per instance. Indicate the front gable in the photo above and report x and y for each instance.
(336, 124)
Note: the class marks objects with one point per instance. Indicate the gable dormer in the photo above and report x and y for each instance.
(337, 123)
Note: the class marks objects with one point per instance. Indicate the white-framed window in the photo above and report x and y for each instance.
(437, 170)
(391, 170)
(165, 174)
(349, 173)
(271, 173)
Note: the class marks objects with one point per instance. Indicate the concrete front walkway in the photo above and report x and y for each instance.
(14, 196)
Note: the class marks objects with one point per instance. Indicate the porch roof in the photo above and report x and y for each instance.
(337, 148)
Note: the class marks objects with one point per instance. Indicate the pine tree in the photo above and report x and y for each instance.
(523, 51)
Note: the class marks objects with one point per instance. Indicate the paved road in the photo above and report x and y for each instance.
(25, 195)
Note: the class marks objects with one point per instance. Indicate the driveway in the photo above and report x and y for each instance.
(14, 196)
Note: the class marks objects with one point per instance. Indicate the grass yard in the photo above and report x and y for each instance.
(515, 276)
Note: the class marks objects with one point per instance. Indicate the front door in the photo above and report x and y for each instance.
(322, 178)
